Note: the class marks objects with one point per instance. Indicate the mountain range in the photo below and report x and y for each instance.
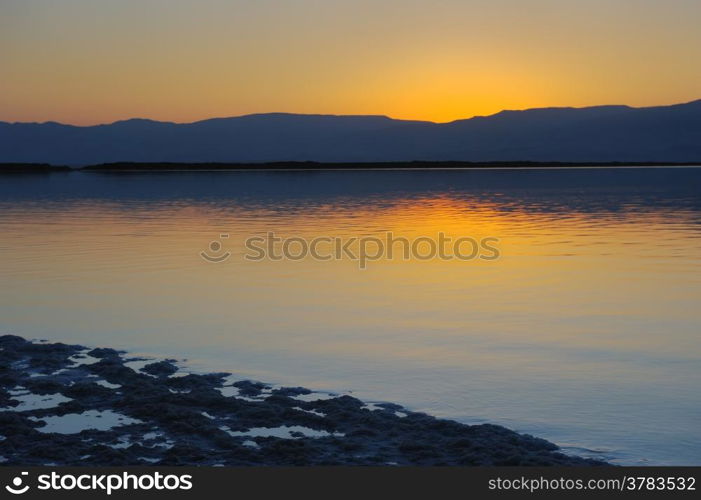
(591, 134)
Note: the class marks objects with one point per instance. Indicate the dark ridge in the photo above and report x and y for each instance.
(593, 134)
(32, 168)
(312, 165)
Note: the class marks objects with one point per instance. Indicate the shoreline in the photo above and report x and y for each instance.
(283, 166)
(73, 405)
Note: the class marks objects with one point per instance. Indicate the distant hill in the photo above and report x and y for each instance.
(593, 134)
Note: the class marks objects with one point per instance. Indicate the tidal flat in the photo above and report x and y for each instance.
(73, 405)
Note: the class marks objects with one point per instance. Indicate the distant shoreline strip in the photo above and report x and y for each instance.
(310, 165)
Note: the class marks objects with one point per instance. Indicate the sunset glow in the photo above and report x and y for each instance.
(84, 62)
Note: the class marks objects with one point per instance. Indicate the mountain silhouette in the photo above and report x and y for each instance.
(592, 134)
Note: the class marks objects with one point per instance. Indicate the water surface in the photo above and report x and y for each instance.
(586, 331)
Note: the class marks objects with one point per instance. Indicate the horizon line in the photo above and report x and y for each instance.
(288, 113)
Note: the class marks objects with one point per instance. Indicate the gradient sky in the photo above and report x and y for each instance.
(87, 61)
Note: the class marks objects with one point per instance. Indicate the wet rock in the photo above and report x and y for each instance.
(249, 388)
(158, 418)
(161, 368)
(105, 352)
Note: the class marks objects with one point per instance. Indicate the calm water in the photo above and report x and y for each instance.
(586, 331)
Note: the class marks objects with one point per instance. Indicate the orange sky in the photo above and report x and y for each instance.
(87, 62)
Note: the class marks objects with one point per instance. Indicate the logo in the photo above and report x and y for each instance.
(108, 483)
(215, 247)
(16, 488)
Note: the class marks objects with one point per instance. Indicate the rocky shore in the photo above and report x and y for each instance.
(71, 405)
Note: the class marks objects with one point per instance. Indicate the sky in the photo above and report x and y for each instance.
(86, 62)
